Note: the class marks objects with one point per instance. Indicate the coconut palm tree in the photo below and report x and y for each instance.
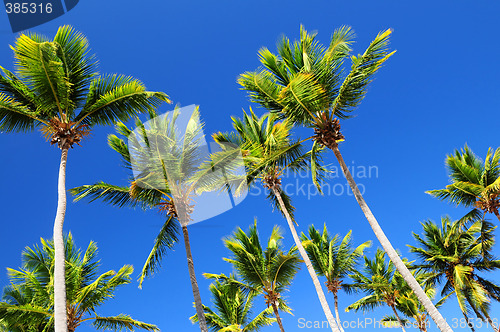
(56, 88)
(474, 183)
(28, 303)
(304, 82)
(408, 303)
(233, 308)
(332, 259)
(381, 282)
(268, 152)
(456, 254)
(161, 161)
(269, 271)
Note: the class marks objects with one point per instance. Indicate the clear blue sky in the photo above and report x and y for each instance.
(439, 91)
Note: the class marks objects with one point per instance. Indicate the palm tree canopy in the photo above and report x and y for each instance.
(474, 183)
(55, 87)
(305, 80)
(379, 280)
(268, 151)
(233, 308)
(271, 269)
(331, 257)
(28, 301)
(456, 253)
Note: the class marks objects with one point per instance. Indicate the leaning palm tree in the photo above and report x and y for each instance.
(268, 152)
(161, 160)
(304, 83)
(455, 254)
(56, 88)
(28, 303)
(233, 308)
(381, 282)
(269, 270)
(474, 183)
(332, 259)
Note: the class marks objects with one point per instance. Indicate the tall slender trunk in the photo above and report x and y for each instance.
(393, 255)
(60, 316)
(194, 284)
(278, 318)
(401, 324)
(497, 214)
(335, 296)
(468, 323)
(310, 269)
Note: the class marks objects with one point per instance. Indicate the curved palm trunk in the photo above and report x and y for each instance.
(60, 318)
(398, 318)
(335, 296)
(278, 318)
(310, 269)
(194, 284)
(393, 255)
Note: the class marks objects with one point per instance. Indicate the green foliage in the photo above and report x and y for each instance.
(456, 254)
(270, 270)
(233, 308)
(332, 257)
(28, 302)
(58, 79)
(474, 183)
(305, 82)
(268, 151)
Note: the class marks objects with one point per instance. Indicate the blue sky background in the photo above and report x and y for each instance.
(439, 91)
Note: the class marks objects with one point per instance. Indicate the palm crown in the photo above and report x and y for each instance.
(28, 301)
(233, 308)
(271, 270)
(55, 87)
(474, 183)
(268, 152)
(304, 82)
(331, 257)
(457, 254)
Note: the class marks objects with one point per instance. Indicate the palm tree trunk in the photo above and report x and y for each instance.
(398, 318)
(278, 318)
(393, 255)
(335, 296)
(60, 316)
(307, 261)
(194, 284)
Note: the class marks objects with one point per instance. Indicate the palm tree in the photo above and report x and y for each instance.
(473, 183)
(269, 270)
(303, 83)
(381, 282)
(233, 308)
(56, 89)
(455, 254)
(268, 152)
(163, 162)
(28, 303)
(408, 304)
(332, 259)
